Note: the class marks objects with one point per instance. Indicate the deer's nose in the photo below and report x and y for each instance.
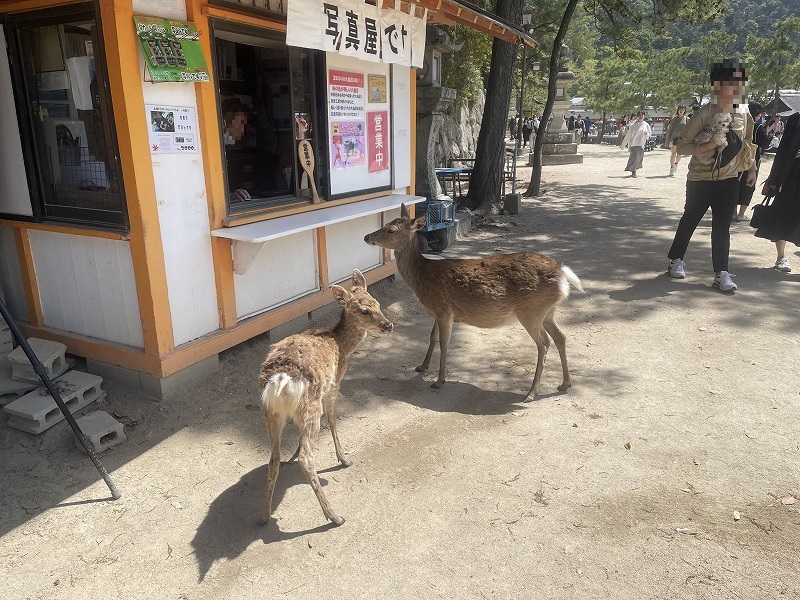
(388, 326)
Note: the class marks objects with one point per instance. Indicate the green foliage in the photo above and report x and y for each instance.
(467, 69)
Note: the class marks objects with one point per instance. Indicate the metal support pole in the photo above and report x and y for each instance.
(519, 119)
(40, 371)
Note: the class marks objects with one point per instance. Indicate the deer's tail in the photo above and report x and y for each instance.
(569, 279)
(282, 394)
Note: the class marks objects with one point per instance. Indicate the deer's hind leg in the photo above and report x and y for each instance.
(533, 325)
(560, 340)
(434, 338)
(309, 431)
(445, 325)
(329, 404)
(275, 424)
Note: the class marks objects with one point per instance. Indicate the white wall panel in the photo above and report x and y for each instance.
(401, 126)
(185, 227)
(87, 286)
(11, 276)
(167, 9)
(347, 249)
(284, 269)
(15, 197)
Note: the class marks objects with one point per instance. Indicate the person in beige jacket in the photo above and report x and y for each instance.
(713, 179)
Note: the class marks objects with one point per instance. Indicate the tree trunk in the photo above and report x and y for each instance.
(534, 186)
(485, 181)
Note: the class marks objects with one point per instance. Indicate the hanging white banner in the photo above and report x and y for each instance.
(353, 28)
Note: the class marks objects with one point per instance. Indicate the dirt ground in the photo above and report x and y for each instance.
(683, 413)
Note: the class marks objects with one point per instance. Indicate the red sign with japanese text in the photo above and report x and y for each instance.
(378, 140)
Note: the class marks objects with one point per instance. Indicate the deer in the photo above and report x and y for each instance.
(301, 375)
(484, 292)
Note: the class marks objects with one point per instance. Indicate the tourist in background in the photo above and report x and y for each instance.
(782, 219)
(674, 129)
(713, 180)
(638, 133)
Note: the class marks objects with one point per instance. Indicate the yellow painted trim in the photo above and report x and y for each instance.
(95, 233)
(322, 258)
(193, 352)
(15, 6)
(147, 252)
(29, 283)
(208, 120)
(214, 12)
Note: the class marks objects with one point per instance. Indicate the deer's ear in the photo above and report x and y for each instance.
(404, 212)
(341, 295)
(359, 280)
(419, 222)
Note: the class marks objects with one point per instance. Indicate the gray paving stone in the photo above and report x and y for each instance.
(103, 431)
(50, 354)
(37, 411)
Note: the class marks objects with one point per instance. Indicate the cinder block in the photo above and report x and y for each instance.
(38, 411)
(9, 389)
(50, 354)
(103, 431)
(6, 338)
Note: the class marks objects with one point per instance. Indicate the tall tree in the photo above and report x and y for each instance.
(486, 178)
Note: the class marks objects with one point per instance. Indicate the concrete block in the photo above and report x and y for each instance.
(127, 377)
(463, 224)
(163, 387)
(37, 411)
(511, 203)
(50, 354)
(6, 338)
(11, 389)
(103, 431)
(296, 325)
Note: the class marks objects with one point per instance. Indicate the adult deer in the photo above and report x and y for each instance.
(485, 292)
(301, 376)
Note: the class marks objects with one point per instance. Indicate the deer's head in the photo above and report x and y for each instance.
(361, 307)
(399, 233)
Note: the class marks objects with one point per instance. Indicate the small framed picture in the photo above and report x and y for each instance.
(89, 45)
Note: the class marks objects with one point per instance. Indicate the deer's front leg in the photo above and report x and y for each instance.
(434, 337)
(329, 404)
(445, 329)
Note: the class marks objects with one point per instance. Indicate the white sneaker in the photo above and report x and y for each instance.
(677, 268)
(783, 265)
(672, 170)
(724, 283)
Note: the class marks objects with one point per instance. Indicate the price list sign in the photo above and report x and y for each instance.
(173, 129)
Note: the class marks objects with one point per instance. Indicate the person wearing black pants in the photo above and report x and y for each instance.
(714, 169)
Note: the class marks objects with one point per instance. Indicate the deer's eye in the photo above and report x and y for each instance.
(364, 311)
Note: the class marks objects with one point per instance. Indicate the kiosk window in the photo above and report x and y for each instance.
(62, 90)
(266, 105)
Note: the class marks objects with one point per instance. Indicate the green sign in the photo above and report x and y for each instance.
(171, 50)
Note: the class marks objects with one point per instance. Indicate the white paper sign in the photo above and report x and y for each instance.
(353, 28)
(173, 129)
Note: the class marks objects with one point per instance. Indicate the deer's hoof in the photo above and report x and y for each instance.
(337, 520)
(262, 521)
(529, 398)
(437, 384)
(346, 463)
(421, 369)
(564, 387)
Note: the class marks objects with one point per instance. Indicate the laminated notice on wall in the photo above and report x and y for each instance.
(171, 50)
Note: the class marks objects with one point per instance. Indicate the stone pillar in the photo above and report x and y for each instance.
(559, 146)
(431, 104)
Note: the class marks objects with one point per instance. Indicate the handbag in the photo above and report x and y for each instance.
(761, 212)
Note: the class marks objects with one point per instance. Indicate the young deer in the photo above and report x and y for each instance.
(301, 377)
(485, 292)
